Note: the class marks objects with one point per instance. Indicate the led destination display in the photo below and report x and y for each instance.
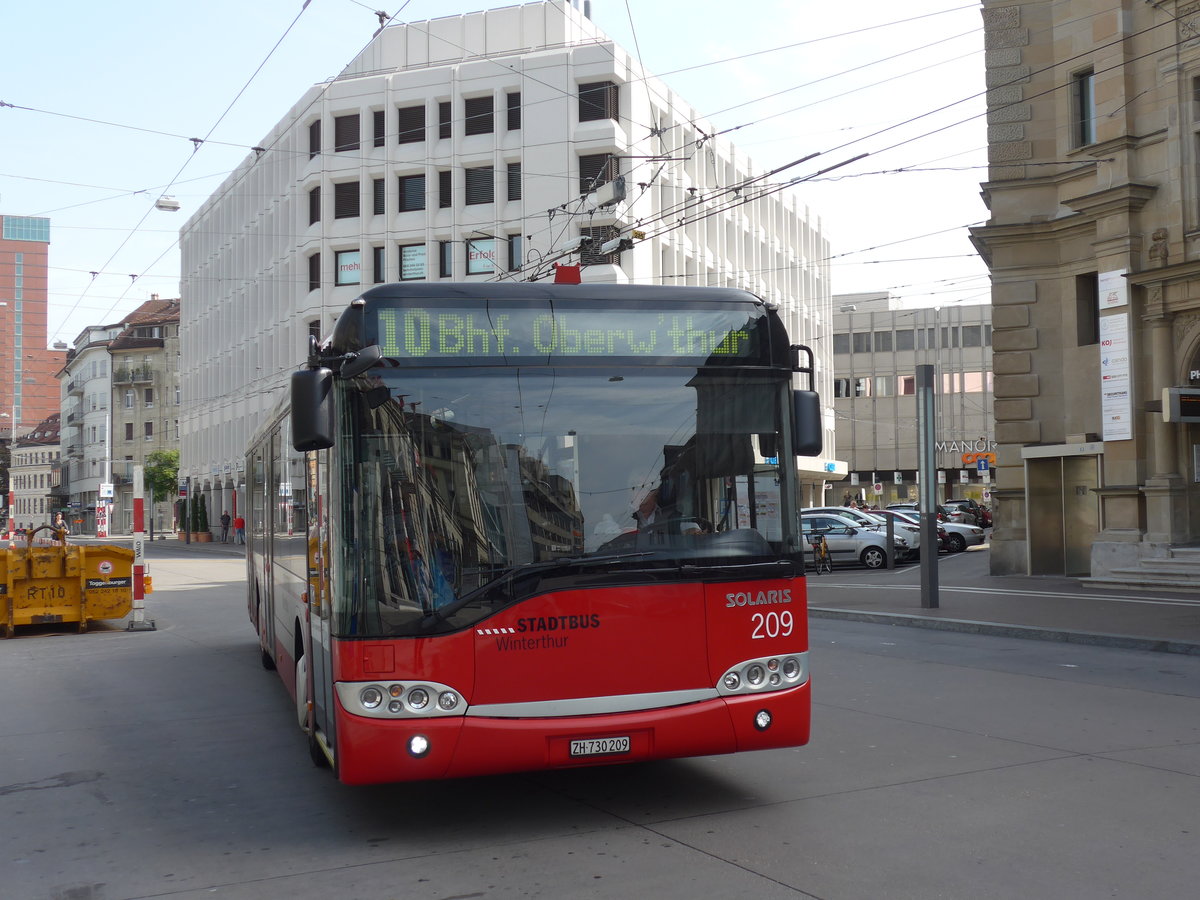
(430, 333)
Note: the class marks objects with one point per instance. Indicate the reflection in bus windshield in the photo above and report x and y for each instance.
(463, 479)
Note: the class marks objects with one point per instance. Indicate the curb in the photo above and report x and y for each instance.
(1025, 632)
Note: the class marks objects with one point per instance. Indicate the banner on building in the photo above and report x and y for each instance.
(1116, 400)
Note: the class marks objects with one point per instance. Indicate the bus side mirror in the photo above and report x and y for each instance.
(806, 423)
(312, 409)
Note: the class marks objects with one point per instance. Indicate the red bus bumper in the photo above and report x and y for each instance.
(371, 751)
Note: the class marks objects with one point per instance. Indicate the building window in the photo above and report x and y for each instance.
(480, 187)
(514, 111)
(481, 257)
(129, 431)
(314, 206)
(905, 340)
(597, 169)
(314, 272)
(314, 329)
(599, 100)
(949, 336)
(883, 386)
(380, 129)
(1083, 108)
(514, 181)
(378, 197)
(349, 267)
(479, 115)
(445, 259)
(972, 336)
(444, 120)
(178, 395)
(345, 200)
(862, 387)
(907, 385)
(591, 256)
(445, 188)
(314, 139)
(412, 192)
(412, 262)
(925, 338)
(411, 124)
(345, 133)
(861, 341)
(841, 388)
(148, 397)
(148, 430)
(379, 265)
(514, 253)
(883, 342)
(1087, 309)
(841, 342)
(128, 401)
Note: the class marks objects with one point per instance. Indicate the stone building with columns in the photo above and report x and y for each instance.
(1093, 243)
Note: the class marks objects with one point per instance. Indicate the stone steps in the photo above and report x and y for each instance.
(1178, 571)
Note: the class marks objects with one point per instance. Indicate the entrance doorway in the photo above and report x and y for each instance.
(1064, 513)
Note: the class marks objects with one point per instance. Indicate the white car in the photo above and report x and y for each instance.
(849, 542)
(874, 520)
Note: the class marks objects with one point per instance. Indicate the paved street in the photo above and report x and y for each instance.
(943, 764)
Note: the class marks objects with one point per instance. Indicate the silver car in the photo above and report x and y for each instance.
(848, 543)
(875, 520)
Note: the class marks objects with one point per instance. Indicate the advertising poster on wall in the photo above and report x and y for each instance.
(101, 520)
(1116, 395)
(1114, 289)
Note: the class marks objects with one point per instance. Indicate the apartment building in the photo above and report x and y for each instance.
(34, 473)
(877, 346)
(1094, 193)
(145, 405)
(470, 148)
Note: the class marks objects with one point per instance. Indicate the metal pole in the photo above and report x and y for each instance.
(138, 622)
(926, 413)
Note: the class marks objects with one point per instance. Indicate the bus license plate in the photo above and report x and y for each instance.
(600, 746)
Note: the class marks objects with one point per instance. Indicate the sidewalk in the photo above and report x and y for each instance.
(970, 599)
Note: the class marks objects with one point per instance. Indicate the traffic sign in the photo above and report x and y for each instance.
(878, 488)
(982, 465)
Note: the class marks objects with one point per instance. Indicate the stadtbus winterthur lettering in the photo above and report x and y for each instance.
(420, 332)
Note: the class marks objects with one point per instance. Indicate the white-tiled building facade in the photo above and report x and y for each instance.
(464, 149)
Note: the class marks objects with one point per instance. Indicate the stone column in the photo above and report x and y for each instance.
(1164, 489)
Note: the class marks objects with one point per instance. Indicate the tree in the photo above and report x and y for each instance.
(161, 477)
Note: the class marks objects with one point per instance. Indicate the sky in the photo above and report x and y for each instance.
(100, 103)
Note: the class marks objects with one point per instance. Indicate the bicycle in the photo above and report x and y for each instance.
(822, 559)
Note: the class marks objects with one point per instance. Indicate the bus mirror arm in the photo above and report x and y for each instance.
(357, 363)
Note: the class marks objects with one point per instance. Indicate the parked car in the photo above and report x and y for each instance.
(959, 537)
(848, 543)
(903, 524)
(972, 513)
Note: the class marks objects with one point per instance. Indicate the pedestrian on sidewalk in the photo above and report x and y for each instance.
(225, 527)
(239, 530)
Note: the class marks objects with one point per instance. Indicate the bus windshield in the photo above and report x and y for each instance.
(466, 489)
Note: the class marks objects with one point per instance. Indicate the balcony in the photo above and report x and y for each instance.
(133, 376)
(74, 450)
(75, 386)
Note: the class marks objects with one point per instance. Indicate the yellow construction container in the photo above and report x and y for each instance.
(64, 583)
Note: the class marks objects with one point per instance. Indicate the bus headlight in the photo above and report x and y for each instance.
(400, 699)
(772, 673)
(418, 745)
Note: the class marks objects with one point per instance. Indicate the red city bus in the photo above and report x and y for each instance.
(503, 527)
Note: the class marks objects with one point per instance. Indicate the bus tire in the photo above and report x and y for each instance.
(316, 754)
(302, 692)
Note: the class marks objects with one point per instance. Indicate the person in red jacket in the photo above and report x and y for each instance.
(239, 530)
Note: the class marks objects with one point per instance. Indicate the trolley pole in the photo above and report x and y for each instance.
(138, 622)
(928, 487)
